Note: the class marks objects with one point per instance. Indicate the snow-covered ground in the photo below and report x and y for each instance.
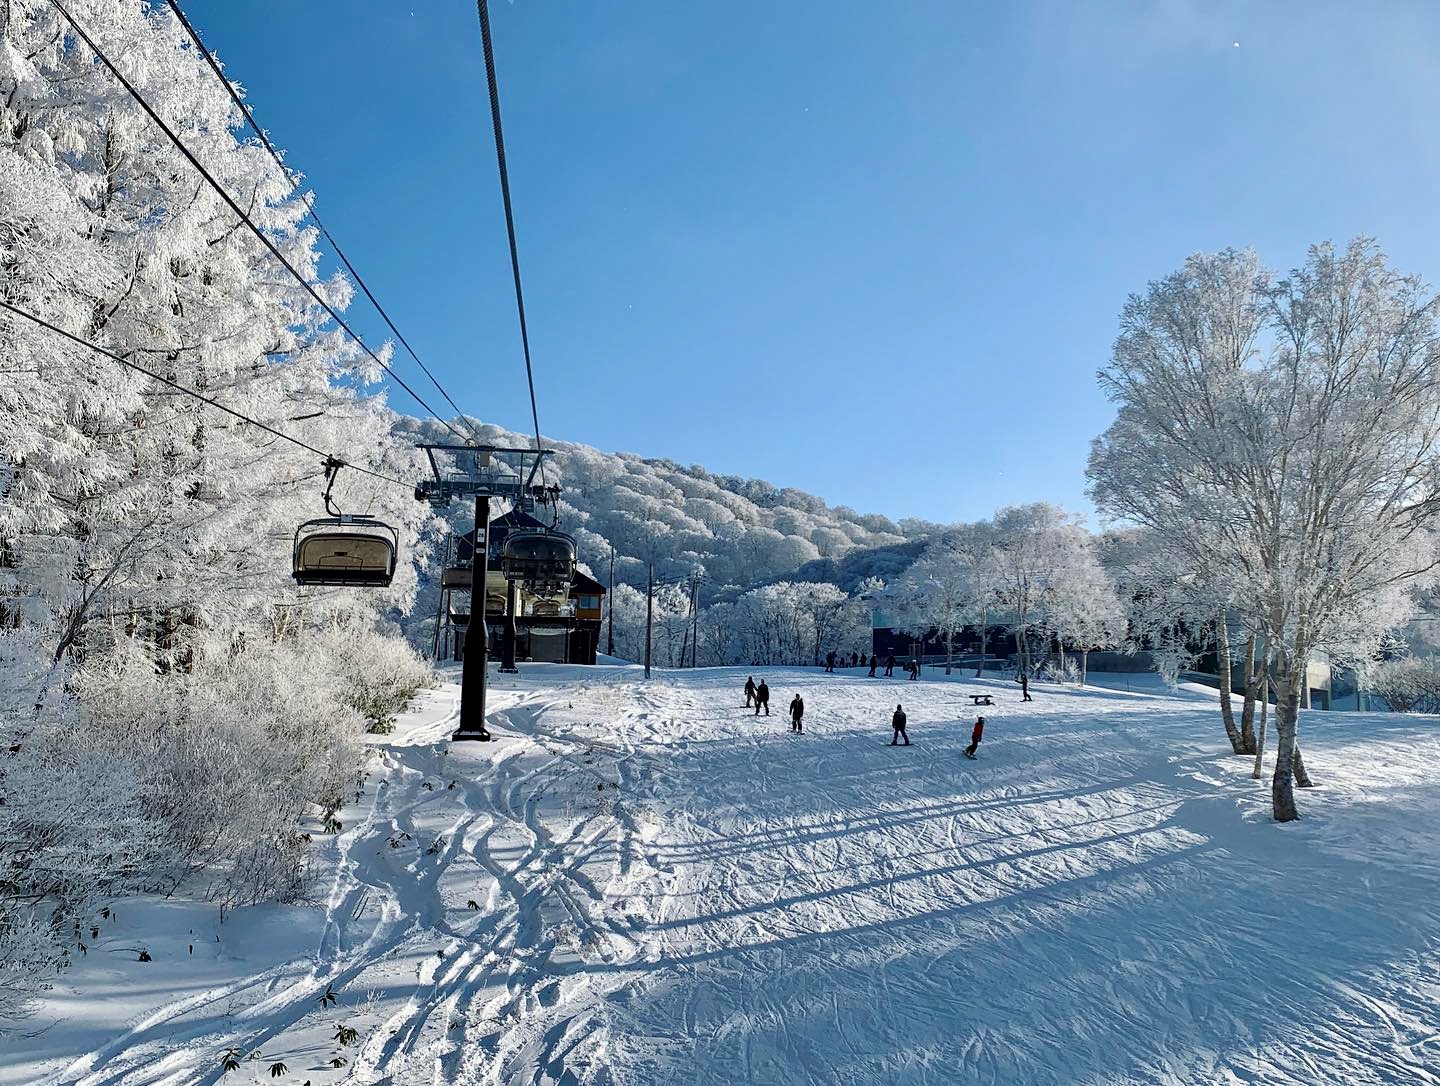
(643, 883)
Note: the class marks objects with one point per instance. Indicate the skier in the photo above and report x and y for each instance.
(749, 690)
(797, 712)
(897, 722)
(762, 697)
(1025, 687)
(975, 735)
(874, 663)
(830, 663)
(890, 666)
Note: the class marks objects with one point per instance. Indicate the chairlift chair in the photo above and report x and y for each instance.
(542, 559)
(341, 551)
(345, 552)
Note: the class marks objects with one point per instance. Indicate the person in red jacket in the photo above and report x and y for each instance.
(975, 735)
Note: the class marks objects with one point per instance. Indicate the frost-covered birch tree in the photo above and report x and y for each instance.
(1289, 428)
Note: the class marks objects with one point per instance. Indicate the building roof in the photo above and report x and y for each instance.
(586, 586)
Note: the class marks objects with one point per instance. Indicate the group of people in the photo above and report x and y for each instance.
(860, 659)
(758, 694)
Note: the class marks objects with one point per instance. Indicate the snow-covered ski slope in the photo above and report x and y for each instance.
(643, 883)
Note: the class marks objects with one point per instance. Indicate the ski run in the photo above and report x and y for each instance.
(641, 882)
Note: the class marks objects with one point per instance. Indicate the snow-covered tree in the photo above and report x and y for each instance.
(1301, 460)
(938, 596)
(158, 691)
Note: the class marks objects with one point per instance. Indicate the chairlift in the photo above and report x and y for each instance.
(343, 551)
(541, 559)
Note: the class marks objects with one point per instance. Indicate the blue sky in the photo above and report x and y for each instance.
(874, 251)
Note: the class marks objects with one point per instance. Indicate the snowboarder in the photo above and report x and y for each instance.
(1025, 687)
(890, 666)
(897, 722)
(975, 735)
(914, 668)
(874, 663)
(797, 712)
(749, 690)
(762, 697)
(830, 663)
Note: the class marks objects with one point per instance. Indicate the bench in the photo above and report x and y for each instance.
(981, 699)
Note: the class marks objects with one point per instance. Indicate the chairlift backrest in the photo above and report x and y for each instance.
(345, 552)
(542, 559)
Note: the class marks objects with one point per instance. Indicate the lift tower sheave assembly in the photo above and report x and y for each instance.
(471, 471)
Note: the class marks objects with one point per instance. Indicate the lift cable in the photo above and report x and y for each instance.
(484, 9)
(329, 458)
(309, 200)
(264, 240)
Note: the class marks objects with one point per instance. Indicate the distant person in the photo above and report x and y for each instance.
(914, 668)
(864, 659)
(749, 690)
(1025, 687)
(854, 659)
(975, 735)
(890, 665)
(762, 698)
(897, 723)
(797, 713)
(874, 663)
(830, 662)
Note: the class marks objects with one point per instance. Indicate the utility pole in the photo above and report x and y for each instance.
(477, 653)
(610, 644)
(694, 621)
(649, 612)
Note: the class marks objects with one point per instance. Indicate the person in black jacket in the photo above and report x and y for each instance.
(890, 665)
(874, 663)
(749, 690)
(830, 662)
(897, 722)
(797, 713)
(762, 697)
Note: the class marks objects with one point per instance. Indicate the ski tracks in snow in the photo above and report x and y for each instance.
(644, 883)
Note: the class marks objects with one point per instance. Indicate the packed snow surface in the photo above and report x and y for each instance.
(640, 882)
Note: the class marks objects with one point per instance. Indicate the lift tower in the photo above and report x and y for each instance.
(470, 471)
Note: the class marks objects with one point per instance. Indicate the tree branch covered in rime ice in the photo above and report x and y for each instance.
(165, 688)
(1281, 436)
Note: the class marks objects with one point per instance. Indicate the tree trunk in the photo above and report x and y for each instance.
(1260, 743)
(1084, 665)
(1247, 713)
(949, 649)
(980, 667)
(1287, 711)
(1302, 778)
(1227, 711)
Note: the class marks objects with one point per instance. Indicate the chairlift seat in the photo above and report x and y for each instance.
(345, 552)
(543, 560)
